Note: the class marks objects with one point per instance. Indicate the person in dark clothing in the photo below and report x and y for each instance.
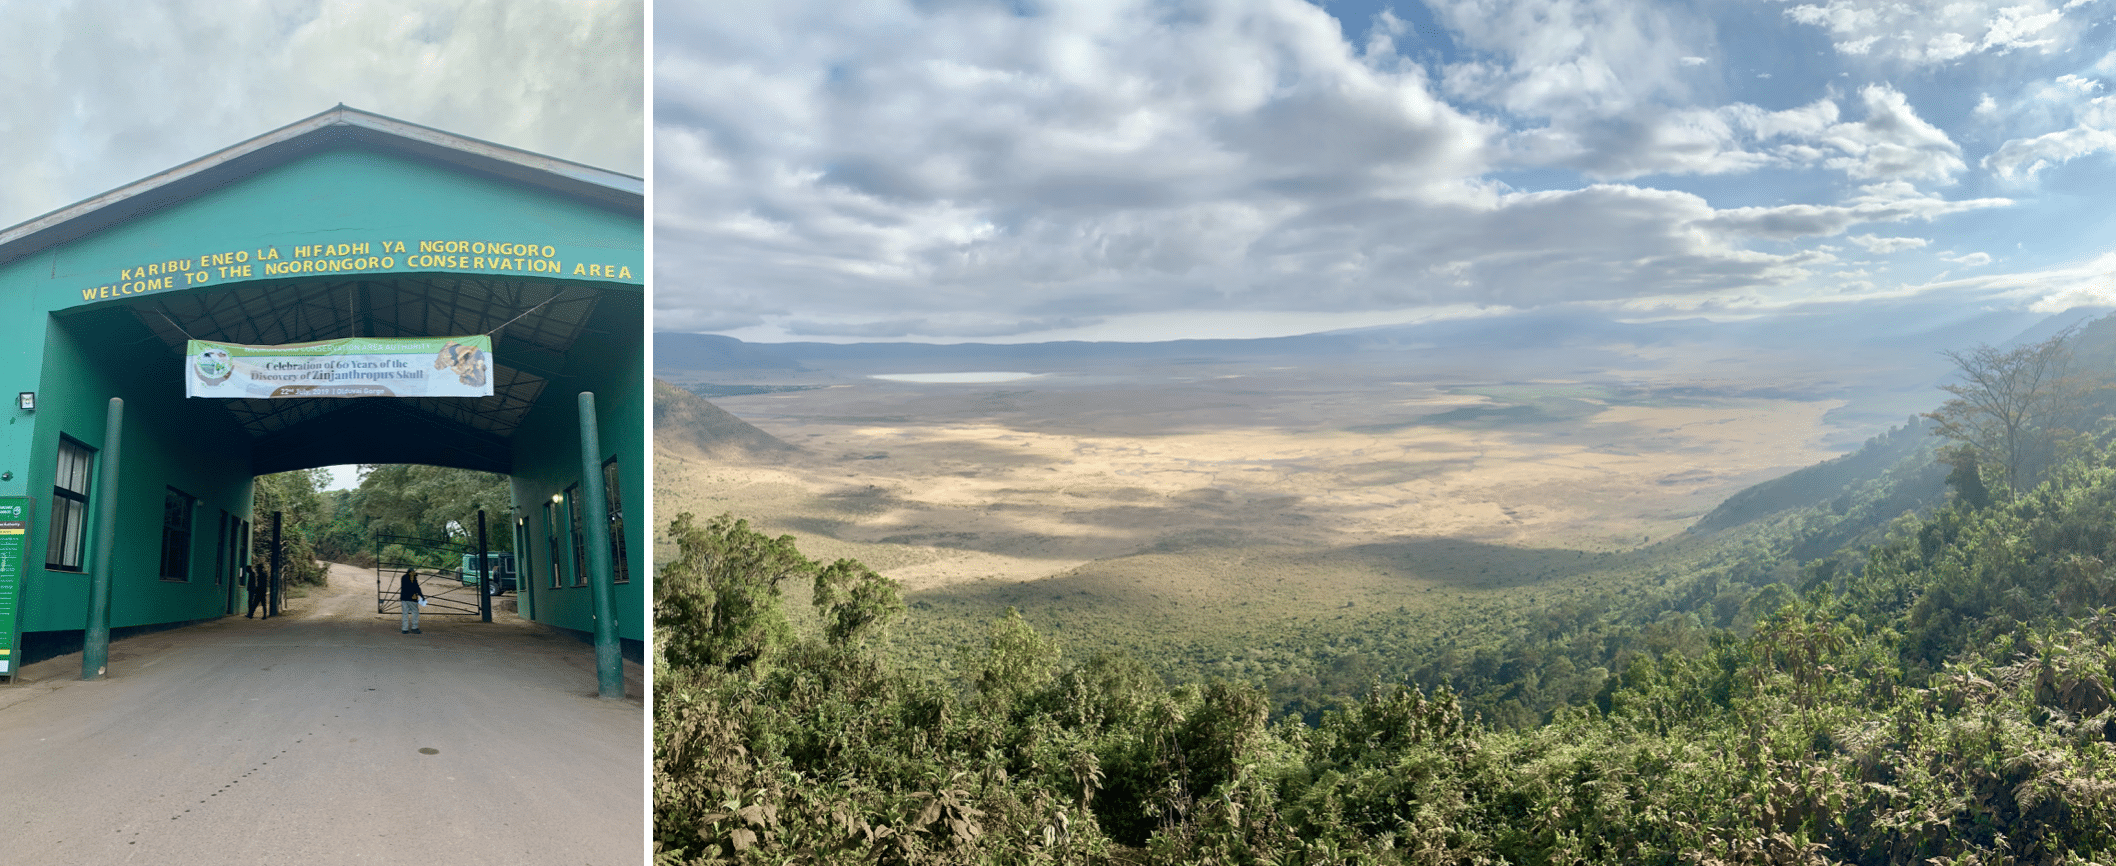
(254, 578)
(408, 596)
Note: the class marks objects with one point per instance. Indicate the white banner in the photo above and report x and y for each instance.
(357, 367)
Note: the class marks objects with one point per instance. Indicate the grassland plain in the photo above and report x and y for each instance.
(1204, 514)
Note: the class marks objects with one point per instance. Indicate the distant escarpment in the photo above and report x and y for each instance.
(687, 424)
(1897, 467)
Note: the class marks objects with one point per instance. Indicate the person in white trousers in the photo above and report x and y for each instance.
(409, 593)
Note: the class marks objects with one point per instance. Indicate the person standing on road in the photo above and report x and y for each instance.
(409, 595)
(254, 580)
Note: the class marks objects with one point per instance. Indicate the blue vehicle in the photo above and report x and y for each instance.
(503, 574)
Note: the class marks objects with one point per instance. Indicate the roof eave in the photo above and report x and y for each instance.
(338, 127)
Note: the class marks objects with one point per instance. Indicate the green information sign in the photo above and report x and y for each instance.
(14, 547)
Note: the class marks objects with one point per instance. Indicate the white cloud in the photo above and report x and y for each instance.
(2088, 283)
(914, 170)
(1967, 259)
(1601, 86)
(2081, 85)
(2024, 158)
(1646, 141)
(1892, 142)
(1565, 57)
(1921, 34)
(1883, 246)
(1519, 249)
(1889, 142)
(1096, 161)
(100, 95)
(1892, 201)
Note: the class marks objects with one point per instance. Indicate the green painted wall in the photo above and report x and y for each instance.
(66, 332)
(353, 208)
(547, 462)
(82, 370)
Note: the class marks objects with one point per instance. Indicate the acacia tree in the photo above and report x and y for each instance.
(2012, 405)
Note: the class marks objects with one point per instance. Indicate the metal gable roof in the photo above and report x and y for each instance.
(551, 333)
(338, 128)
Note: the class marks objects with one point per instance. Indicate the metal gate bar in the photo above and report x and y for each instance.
(440, 575)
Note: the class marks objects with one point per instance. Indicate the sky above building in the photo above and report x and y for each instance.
(97, 95)
(1103, 169)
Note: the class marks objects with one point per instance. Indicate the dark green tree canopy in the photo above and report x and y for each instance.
(434, 501)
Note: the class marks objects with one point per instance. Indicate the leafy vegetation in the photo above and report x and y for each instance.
(1872, 672)
(341, 525)
(295, 496)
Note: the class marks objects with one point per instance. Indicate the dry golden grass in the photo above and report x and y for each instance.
(1236, 495)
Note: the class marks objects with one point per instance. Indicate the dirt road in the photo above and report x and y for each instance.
(324, 736)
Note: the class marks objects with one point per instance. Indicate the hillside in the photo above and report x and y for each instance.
(687, 424)
(1829, 480)
(677, 351)
(1948, 699)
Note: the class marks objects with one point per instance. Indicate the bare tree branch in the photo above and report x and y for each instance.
(2012, 405)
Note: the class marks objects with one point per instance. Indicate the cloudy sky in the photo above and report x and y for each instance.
(1109, 169)
(95, 95)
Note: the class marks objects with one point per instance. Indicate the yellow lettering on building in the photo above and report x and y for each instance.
(154, 269)
(495, 255)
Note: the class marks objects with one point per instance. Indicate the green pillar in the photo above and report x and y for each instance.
(278, 562)
(609, 664)
(485, 573)
(95, 644)
(525, 584)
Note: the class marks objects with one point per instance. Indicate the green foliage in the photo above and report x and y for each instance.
(1864, 679)
(1950, 699)
(1015, 661)
(1967, 476)
(294, 495)
(857, 602)
(403, 499)
(716, 604)
(430, 502)
(343, 535)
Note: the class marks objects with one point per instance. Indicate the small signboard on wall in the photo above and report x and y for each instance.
(14, 549)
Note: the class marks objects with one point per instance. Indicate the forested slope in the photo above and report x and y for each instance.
(1879, 675)
(1952, 698)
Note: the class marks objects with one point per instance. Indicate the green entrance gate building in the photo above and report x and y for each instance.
(346, 224)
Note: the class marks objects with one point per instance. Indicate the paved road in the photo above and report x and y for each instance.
(325, 737)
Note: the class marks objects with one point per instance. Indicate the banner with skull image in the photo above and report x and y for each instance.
(355, 367)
